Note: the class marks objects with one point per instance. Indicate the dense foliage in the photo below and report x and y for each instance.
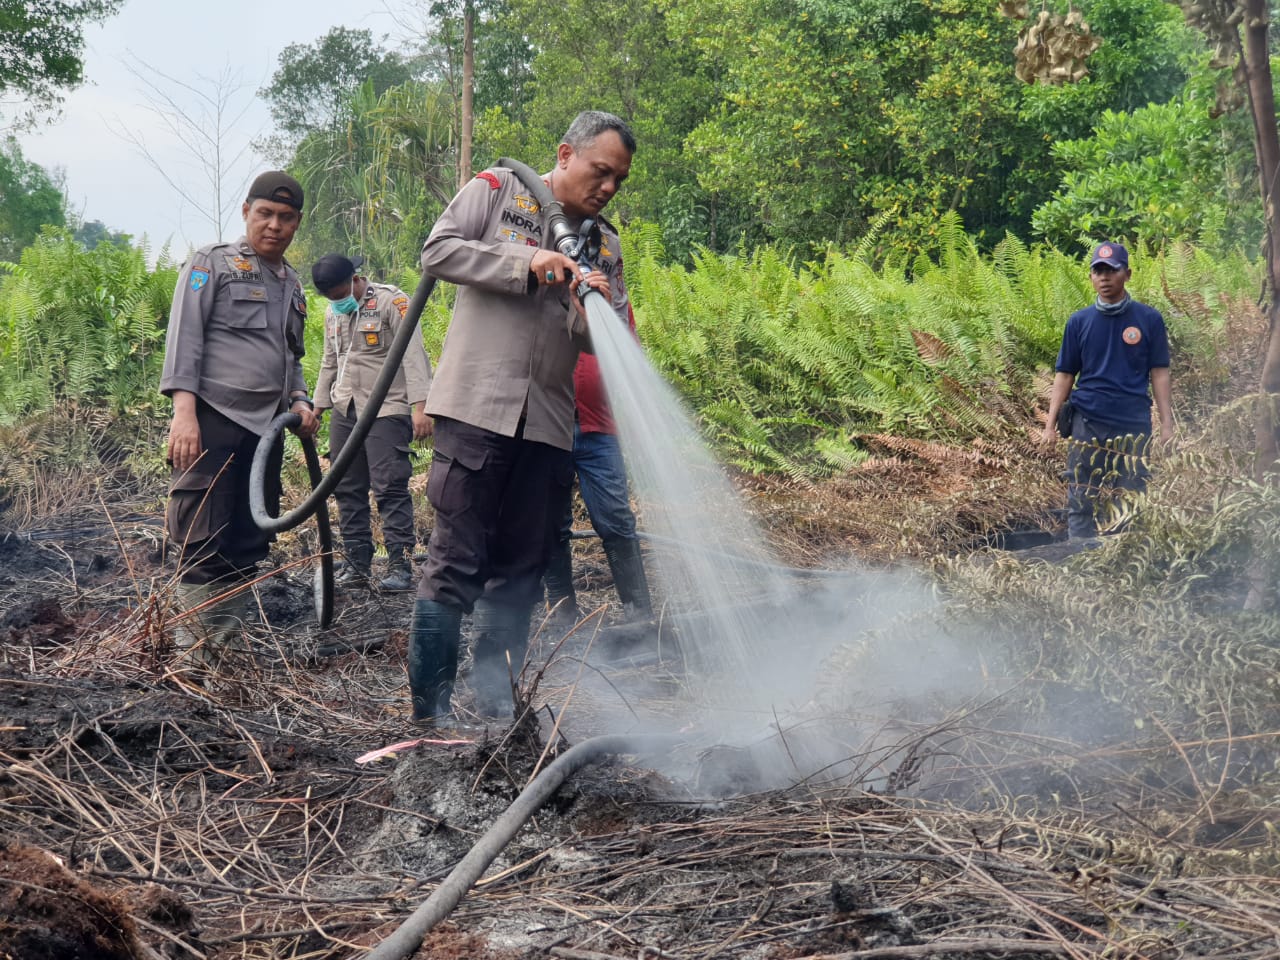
(794, 368)
(765, 122)
(81, 326)
(41, 45)
(29, 200)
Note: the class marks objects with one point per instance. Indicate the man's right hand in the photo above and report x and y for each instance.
(184, 432)
(551, 268)
(1050, 435)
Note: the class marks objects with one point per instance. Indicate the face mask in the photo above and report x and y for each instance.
(347, 304)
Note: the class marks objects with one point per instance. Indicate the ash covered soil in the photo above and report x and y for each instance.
(144, 815)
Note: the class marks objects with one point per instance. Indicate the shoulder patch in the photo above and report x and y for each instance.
(299, 300)
(401, 303)
(199, 277)
(489, 178)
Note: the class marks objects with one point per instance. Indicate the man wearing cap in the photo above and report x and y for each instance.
(1112, 351)
(502, 399)
(232, 362)
(362, 320)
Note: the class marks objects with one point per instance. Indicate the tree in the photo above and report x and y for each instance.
(376, 182)
(314, 83)
(1162, 173)
(204, 117)
(1238, 31)
(475, 51)
(90, 233)
(41, 45)
(640, 60)
(29, 200)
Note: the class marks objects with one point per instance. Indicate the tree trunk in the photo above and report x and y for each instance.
(468, 92)
(1257, 70)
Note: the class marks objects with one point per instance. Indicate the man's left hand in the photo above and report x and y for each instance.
(423, 426)
(596, 281)
(310, 422)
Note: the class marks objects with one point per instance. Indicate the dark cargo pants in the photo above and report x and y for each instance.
(1100, 456)
(207, 519)
(383, 466)
(494, 525)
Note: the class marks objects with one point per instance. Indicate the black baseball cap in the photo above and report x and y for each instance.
(276, 186)
(333, 269)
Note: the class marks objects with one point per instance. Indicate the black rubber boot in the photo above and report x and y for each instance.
(399, 578)
(562, 599)
(501, 638)
(433, 658)
(355, 566)
(627, 566)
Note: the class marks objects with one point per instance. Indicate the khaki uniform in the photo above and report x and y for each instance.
(512, 346)
(235, 340)
(502, 396)
(355, 349)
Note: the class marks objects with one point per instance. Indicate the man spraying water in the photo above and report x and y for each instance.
(502, 399)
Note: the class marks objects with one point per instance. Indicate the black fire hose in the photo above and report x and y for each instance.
(575, 245)
(409, 935)
(322, 486)
(565, 240)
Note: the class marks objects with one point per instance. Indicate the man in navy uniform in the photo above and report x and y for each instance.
(1112, 351)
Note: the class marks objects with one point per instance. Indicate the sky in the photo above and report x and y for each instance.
(107, 176)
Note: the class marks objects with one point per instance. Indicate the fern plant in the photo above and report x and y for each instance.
(85, 326)
(790, 366)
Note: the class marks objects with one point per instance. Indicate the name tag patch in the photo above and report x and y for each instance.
(242, 268)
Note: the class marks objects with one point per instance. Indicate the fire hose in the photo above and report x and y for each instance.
(577, 245)
(432, 911)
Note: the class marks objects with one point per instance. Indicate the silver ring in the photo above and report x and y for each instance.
(551, 276)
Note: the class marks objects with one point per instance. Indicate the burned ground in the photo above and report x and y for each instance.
(143, 815)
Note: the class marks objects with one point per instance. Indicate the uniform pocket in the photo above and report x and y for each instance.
(370, 334)
(199, 504)
(244, 307)
(450, 479)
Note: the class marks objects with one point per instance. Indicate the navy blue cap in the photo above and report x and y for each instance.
(1114, 255)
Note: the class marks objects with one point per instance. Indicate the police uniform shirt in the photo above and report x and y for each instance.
(509, 352)
(355, 349)
(235, 336)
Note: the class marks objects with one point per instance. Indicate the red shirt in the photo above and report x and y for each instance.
(589, 397)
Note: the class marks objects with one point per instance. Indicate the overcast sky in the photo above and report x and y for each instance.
(107, 177)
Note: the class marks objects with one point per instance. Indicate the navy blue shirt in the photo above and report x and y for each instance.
(1112, 358)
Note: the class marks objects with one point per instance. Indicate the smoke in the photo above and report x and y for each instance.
(791, 676)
